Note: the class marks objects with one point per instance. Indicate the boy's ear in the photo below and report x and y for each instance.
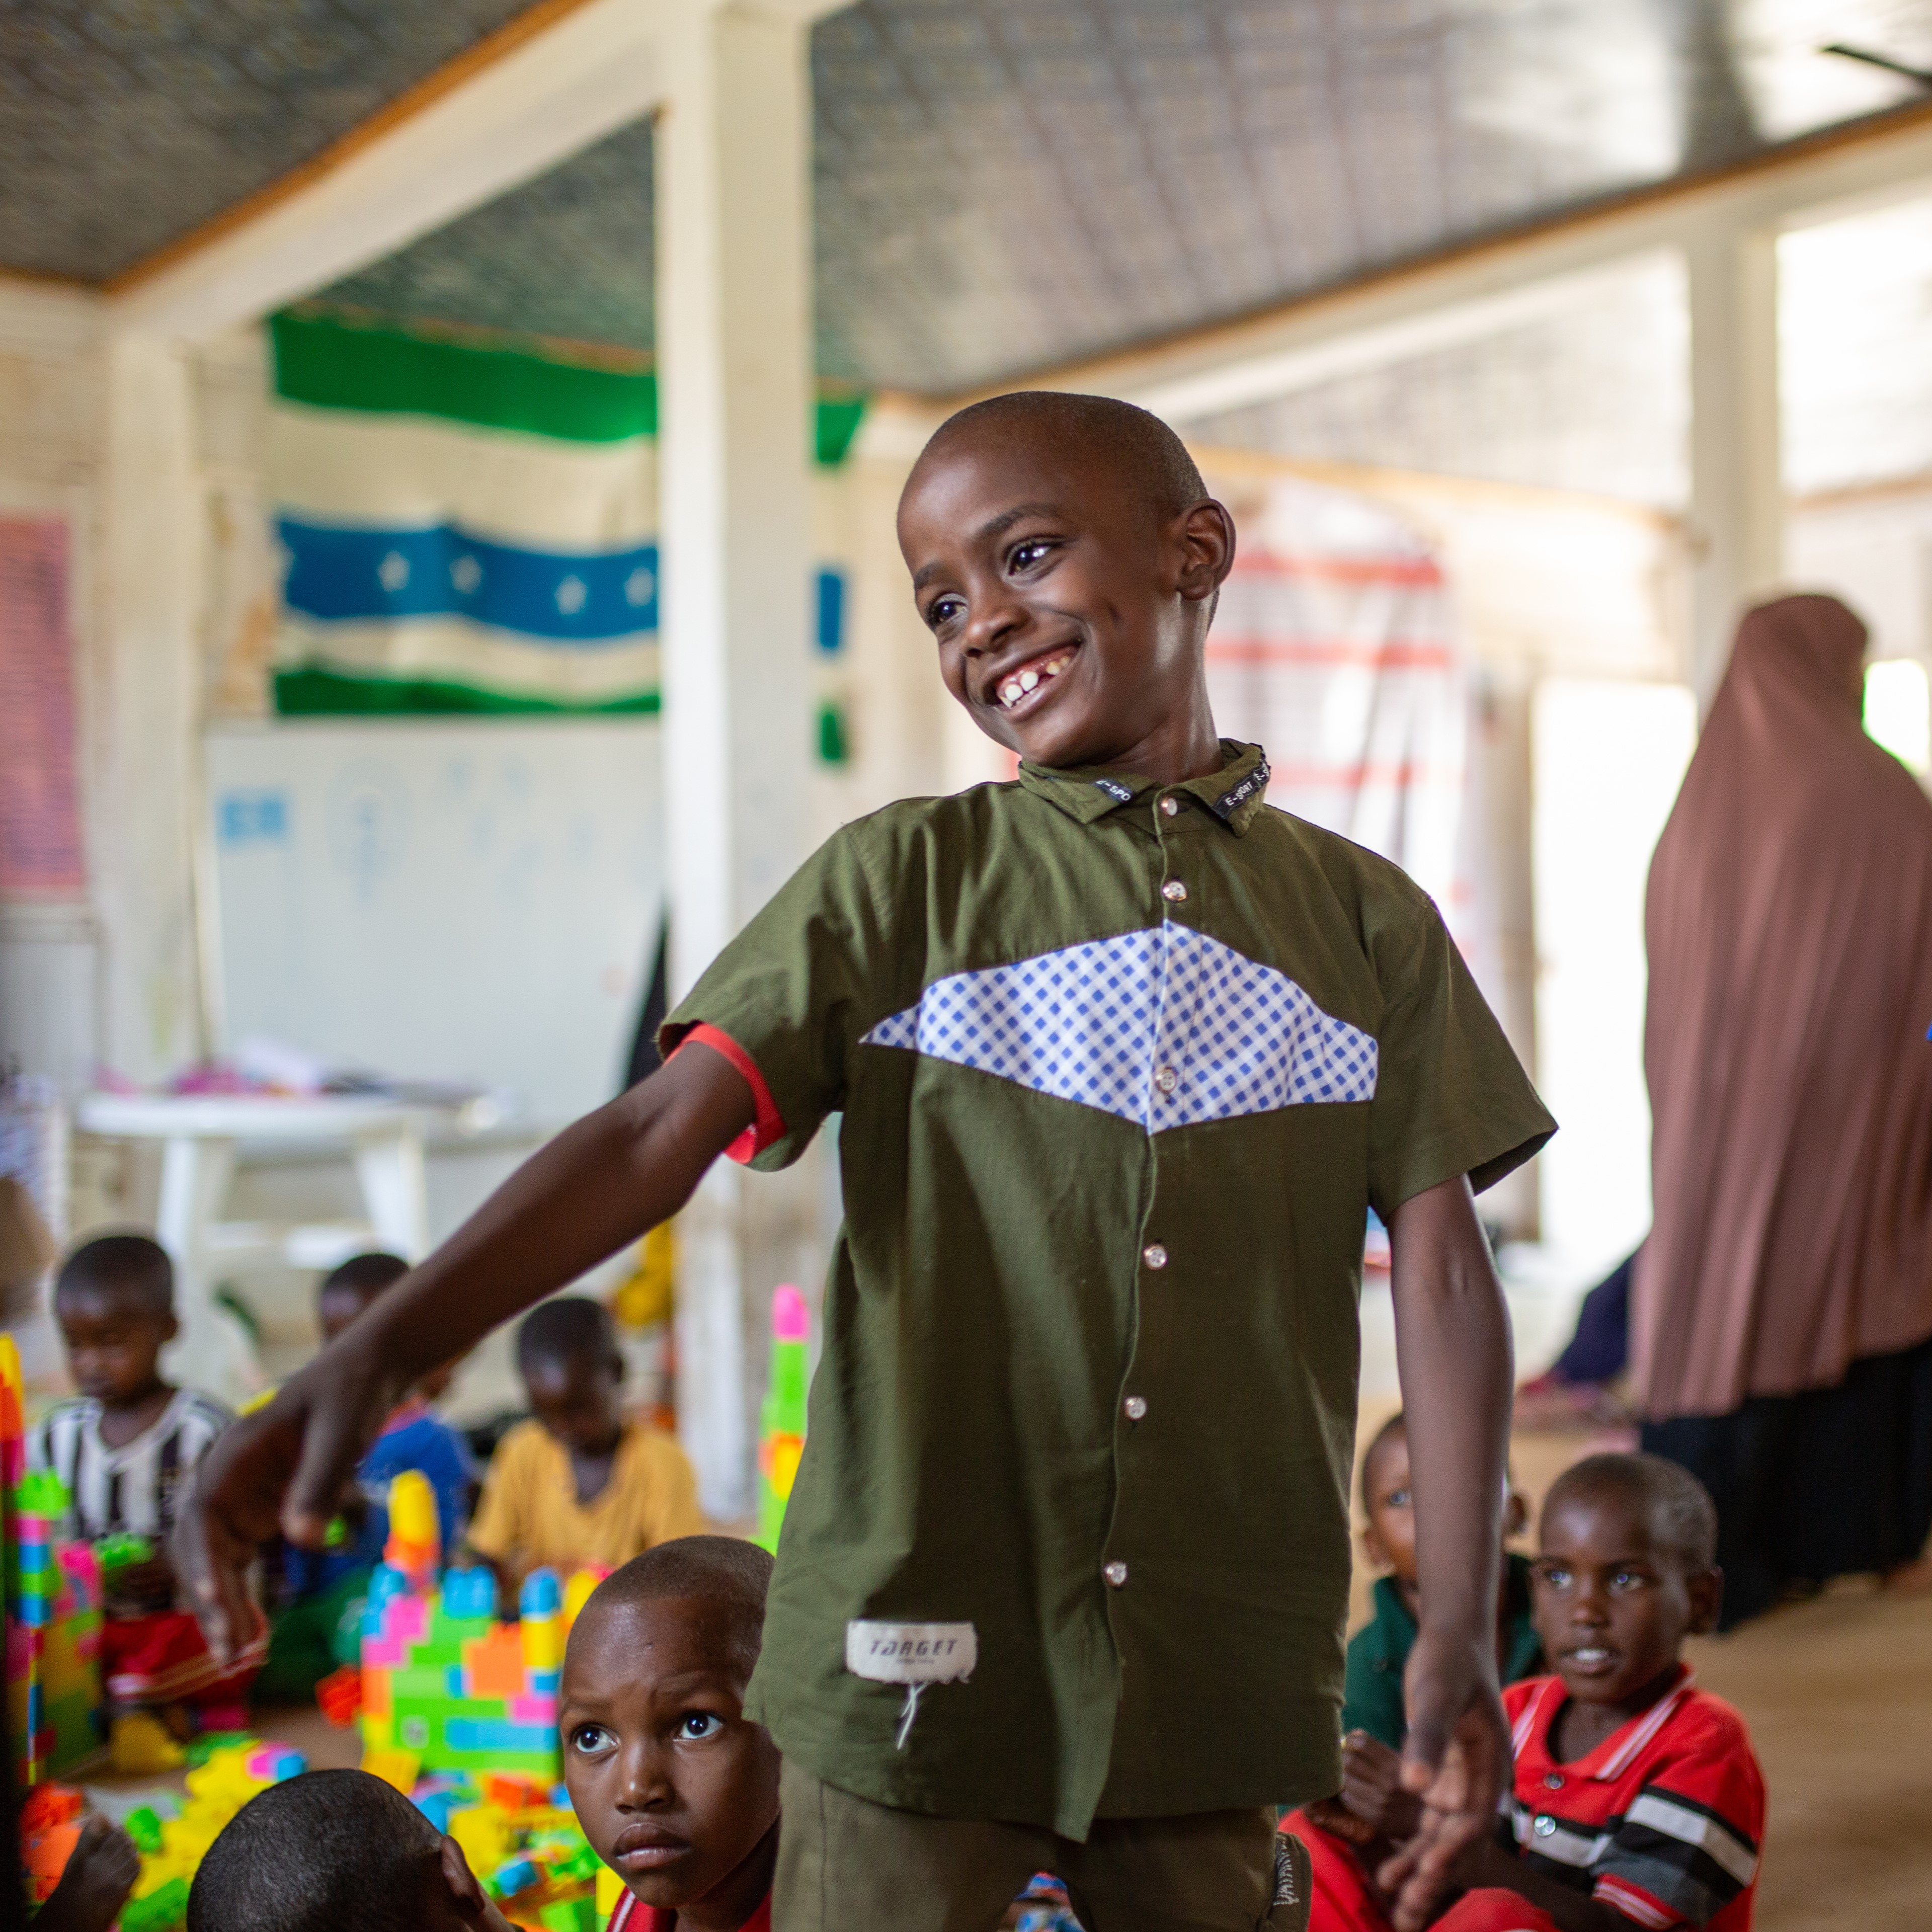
(1515, 1515)
(170, 1327)
(1207, 536)
(1706, 1591)
(468, 1902)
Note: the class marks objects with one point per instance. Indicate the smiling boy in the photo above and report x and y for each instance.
(676, 1789)
(1123, 1057)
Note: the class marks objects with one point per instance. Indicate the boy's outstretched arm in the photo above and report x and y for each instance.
(603, 1182)
(1453, 1347)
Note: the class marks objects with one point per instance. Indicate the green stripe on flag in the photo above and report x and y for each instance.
(310, 690)
(334, 362)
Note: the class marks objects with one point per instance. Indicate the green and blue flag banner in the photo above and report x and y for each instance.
(469, 527)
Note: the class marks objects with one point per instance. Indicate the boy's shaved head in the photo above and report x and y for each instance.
(1132, 443)
(572, 1329)
(133, 1270)
(1676, 1506)
(364, 1276)
(725, 1573)
(318, 1852)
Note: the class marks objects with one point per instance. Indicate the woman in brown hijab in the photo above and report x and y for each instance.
(1783, 1302)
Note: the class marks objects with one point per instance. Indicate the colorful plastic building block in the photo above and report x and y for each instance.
(781, 1418)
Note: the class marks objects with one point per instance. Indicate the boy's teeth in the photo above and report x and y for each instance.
(1014, 689)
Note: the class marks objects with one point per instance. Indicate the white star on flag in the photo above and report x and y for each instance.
(466, 573)
(638, 586)
(394, 572)
(570, 596)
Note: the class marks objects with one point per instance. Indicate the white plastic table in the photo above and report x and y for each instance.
(200, 1134)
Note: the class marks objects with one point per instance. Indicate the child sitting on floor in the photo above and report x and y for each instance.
(1637, 1798)
(579, 1487)
(336, 1851)
(318, 1627)
(1373, 1810)
(128, 1446)
(652, 1702)
(1371, 1698)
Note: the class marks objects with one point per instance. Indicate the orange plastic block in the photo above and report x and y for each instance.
(514, 1791)
(493, 1665)
(50, 1805)
(378, 1697)
(45, 1854)
(339, 1695)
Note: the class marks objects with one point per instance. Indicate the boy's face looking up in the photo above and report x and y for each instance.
(1389, 1538)
(676, 1790)
(575, 1397)
(1069, 611)
(114, 1337)
(1614, 1600)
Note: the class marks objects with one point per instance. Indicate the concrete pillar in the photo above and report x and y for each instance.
(733, 172)
(1737, 493)
(142, 705)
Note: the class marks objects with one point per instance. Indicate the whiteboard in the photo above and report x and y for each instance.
(471, 900)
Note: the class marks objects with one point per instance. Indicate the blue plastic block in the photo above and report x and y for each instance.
(519, 1875)
(386, 1582)
(437, 1806)
(560, 1796)
(453, 1680)
(487, 1734)
(543, 1594)
(469, 1593)
(543, 1683)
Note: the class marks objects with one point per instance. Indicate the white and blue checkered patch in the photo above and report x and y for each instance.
(1165, 1027)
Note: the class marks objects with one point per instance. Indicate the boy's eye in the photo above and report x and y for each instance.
(592, 1740)
(1629, 1579)
(1554, 1577)
(942, 611)
(1396, 1499)
(1026, 555)
(694, 1725)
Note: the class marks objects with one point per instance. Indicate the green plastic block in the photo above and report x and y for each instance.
(124, 1547)
(41, 1492)
(570, 1914)
(165, 1906)
(144, 1827)
(200, 1750)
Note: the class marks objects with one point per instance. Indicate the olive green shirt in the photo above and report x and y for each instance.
(1123, 1067)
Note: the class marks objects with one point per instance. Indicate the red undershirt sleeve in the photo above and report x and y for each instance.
(767, 1128)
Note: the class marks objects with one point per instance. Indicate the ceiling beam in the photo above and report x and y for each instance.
(558, 77)
(1475, 288)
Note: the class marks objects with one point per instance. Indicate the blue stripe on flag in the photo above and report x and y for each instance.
(335, 573)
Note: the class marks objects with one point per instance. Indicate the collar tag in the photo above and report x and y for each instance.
(1121, 794)
(1231, 801)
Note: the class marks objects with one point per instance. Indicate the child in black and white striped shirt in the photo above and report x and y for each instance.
(128, 1446)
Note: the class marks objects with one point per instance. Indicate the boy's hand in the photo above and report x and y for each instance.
(303, 1446)
(1373, 1789)
(1456, 1763)
(617, 1174)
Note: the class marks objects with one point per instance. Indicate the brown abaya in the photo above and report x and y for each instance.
(1789, 921)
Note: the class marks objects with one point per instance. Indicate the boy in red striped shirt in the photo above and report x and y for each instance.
(1637, 1799)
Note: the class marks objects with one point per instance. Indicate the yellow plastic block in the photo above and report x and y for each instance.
(609, 1891)
(543, 1643)
(484, 1836)
(577, 1594)
(398, 1768)
(139, 1745)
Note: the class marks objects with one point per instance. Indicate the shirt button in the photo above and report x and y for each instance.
(1174, 890)
(1116, 1574)
(1154, 1254)
(1171, 806)
(1553, 1780)
(1136, 1406)
(1545, 1826)
(1166, 1079)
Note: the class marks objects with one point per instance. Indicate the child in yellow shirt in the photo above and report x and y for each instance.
(580, 1486)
